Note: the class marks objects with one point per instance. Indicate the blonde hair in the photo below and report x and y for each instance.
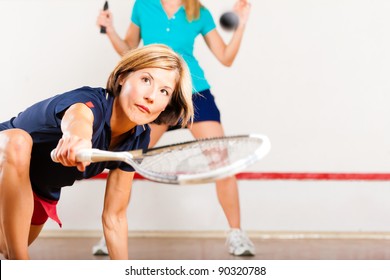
(161, 56)
(192, 8)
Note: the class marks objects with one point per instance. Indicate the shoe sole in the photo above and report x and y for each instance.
(100, 252)
(243, 254)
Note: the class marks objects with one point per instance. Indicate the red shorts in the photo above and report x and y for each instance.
(44, 209)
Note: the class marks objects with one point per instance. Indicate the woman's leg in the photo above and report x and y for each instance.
(16, 195)
(227, 189)
(35, 230)
(227, 192)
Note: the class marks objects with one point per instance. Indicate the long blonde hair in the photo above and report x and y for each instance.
(161, 56)
(192, 8)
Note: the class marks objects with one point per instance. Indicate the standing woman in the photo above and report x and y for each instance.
(177, 23)
(150, 84)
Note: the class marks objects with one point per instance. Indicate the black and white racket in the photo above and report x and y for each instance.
(192, 162)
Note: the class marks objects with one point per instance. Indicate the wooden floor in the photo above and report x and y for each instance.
(69, 248)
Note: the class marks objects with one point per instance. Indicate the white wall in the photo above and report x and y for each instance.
(312, 75)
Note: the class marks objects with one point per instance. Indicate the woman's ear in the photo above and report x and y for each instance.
(121, 79)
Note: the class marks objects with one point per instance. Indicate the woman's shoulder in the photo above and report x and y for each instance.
(204, 9)
(205, 12)
(94, 97)
(96, 92)
(147, 2)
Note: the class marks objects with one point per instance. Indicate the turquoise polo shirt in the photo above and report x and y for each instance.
(176, 32)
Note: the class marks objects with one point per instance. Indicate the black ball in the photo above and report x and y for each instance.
(229, 21)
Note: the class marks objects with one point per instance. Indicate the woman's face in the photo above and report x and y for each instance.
(146, 93)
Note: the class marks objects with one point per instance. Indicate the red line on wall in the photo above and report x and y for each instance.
(297, 176)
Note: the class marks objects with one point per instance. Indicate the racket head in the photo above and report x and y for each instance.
(203, 160)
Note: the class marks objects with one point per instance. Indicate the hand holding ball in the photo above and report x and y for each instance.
(229, 21)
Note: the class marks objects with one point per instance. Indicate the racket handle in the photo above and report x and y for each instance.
(105, 8)
(83, 155)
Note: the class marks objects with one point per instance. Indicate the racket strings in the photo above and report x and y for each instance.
(202, 156)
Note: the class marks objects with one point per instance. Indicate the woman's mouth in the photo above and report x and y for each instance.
(143, 108)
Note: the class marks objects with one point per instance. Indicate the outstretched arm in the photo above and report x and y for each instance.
(121, 46)
(226, 53)
(77, 128)
(114, 218)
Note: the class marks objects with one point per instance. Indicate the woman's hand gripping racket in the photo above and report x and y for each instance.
(193, 162)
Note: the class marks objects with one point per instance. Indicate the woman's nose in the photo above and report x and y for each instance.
(151, 95)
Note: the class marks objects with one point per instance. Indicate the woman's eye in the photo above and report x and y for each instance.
(165, 92)
(146, 80)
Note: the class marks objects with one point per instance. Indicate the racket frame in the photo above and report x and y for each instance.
(131, 157)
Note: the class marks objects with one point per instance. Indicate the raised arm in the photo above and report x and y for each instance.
(114, 218)
(77, 128)
(226, 53)
(121, 46)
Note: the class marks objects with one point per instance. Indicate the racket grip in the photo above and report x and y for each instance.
(83, 155)
(103, 28)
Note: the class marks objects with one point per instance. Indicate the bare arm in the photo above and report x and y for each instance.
(77, 128)
(121, 46)
(114, 218)
(226, 53)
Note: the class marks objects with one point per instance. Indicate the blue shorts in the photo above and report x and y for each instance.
(205, 108)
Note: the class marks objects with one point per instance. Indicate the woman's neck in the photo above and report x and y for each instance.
(171, 6)
(117, 123)
(119, 132)
(172, 2)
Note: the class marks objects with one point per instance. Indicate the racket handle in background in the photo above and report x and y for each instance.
(105, 8)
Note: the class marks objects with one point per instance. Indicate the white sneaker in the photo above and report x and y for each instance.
(239, 243)
(100, 248)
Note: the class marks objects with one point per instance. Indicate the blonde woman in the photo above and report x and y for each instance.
(150, 84)
(177, 23)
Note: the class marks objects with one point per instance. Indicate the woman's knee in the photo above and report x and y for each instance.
(15, 147)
